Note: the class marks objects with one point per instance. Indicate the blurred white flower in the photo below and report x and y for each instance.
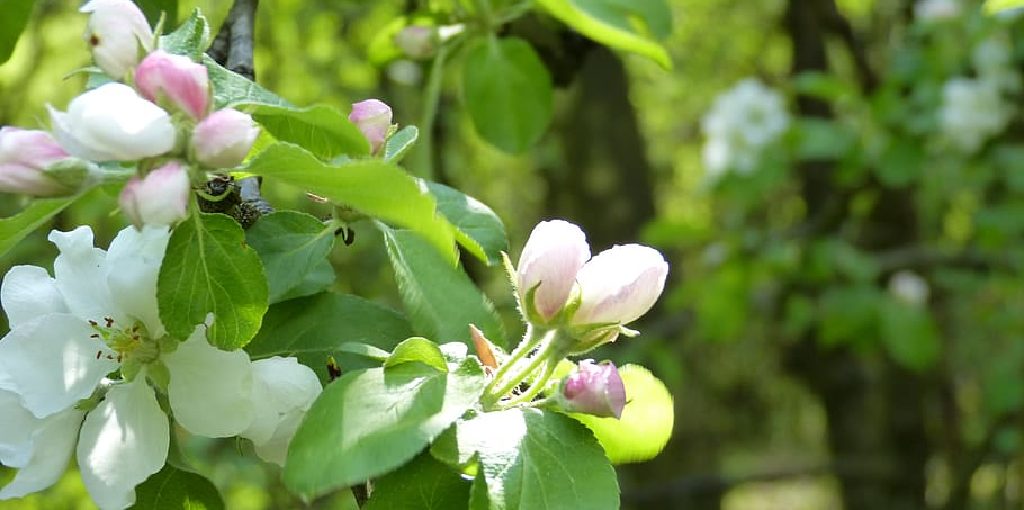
(973, 110)
(741, 122)
(936, 10)
(993, 59)
(909, 287)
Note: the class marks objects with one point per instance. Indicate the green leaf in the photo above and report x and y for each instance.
(423, 484)
(373, 187)
(14, 228)
(399, 143)
(995, 6)
(174, 489)
(823, 139)
(320, 129)
(190, 39)
(317, 280)
(477, 228)
(441, 300)
(328, 324)
(535, 459)
(646, 423)
(371, 421)
(153, 9)
(208, 268)
(614, 23)
(290, 245)
(417, 349)
(909, 335)
(230, 88)
(12, 24)
(508, 93)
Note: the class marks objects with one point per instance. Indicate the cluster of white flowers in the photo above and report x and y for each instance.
(909, 287)
(936, 10)
(976, 109)
(87, 362)
(742, 121)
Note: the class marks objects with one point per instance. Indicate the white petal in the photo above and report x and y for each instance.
(280, 387)
(56, 437)
(123, 442)
(28, 292)
(52, 363)
(81, 275)
(133, 264)
(17, 426)
(276, 448)
(61, 126)
(210, 389)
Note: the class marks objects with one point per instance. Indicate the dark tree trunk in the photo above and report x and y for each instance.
(876, 420)
(604, 182)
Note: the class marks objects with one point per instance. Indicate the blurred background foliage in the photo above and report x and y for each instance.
(844, 318)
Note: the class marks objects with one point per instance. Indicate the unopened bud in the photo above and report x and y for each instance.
(113, 123)
(373, 118)
(595, 389)
(553, 254)
(177, 78)
(24, 157)
(116, 33)
(161, 198)
(223, 139)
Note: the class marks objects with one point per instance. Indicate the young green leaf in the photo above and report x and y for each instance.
(534, 459)
(371, 421)
(175, 489)
(290, 245)
(230, 88)
(12, 23)
(615, 23)
(399, 143)
(373, 187)
(208, 268)
(320, 129)
(14, 228)
(417, 349)
(190, 39)
(441, 300)
(316, 327)
(477, 227)
(508, 93)
(423, 484)
(646, 423)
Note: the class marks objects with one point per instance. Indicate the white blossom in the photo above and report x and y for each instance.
(973, 110)
(909, 287)
(554, 253)
(98, 316)
(741, 123)
(936, 10)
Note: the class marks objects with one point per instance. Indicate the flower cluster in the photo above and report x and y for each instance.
(607, 291)
(741, 123)
(165, 123)
(87, 361)
(573, 303)
(936, 10)
(976, 109)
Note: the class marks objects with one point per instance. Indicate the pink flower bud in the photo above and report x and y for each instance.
(24, 157)
(223, 139)
(620, 284)
(116, 32)
(113, 123)
(417, 41)
(594, 389)
(161, 198)
(183, 82)
(554, 253)
(373, 118)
